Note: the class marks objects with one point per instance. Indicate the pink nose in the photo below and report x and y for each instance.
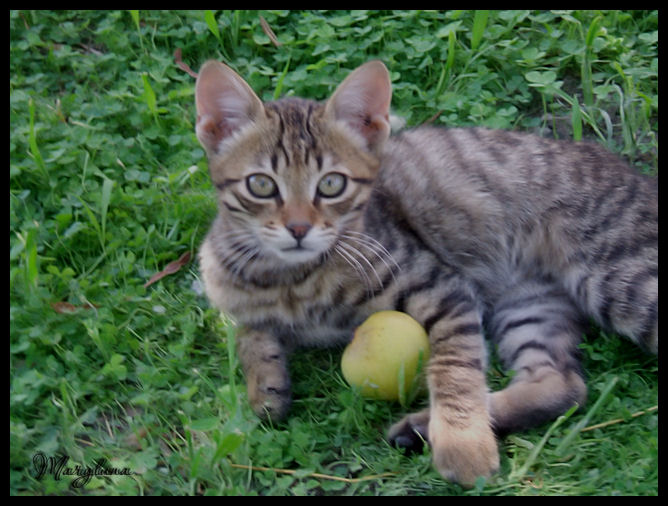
(298, 229)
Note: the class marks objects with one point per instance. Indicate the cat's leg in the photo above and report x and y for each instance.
(460, 433)
(621, 295)
(264, 360)
(457, 422)
(536, 329)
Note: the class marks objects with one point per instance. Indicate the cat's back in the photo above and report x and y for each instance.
(478, 189)
(508, 164)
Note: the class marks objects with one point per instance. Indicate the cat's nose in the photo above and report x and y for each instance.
(298, 229)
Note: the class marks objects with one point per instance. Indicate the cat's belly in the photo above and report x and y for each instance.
(323, 336)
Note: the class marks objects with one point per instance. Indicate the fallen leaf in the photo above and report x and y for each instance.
(63, 307)
(181, 65)
(269, 32)
(170, 268)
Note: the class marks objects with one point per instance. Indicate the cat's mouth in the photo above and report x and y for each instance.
(296, 249)
(299, 247)
(292, 248)
(297, 254)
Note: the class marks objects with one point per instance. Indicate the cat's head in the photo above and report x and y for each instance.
(293, 174)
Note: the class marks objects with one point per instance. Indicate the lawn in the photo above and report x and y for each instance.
(117, 362)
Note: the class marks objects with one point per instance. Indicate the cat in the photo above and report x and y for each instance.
(325, 218)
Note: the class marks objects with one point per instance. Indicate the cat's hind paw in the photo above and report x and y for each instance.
(411, 432)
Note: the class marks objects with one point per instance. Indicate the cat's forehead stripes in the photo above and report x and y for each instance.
(297, 144)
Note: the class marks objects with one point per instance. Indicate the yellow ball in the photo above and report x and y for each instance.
(386, 354)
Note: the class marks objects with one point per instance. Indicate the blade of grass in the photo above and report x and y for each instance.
(575, 432)
(149, 96)
(94, 334)
(452, 40)
(441, 80)
(236, 23)
(93, 221)
(586, 117)
(232, 357)
(626, 110)
(32, 140)
(135, 17)
(522, 471)
(479, 25)
(211, 22)
(576, 120)
(30, 256)
(401, 378)
(418, 384)
(107, 186)
(279, 84)
(586, 74)
(608, 125)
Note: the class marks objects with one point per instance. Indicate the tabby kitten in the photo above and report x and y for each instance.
(324, 219)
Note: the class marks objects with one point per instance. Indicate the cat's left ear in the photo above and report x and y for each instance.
(362, 101)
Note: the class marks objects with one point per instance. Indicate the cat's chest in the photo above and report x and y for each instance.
(314, 317)
(322, 311)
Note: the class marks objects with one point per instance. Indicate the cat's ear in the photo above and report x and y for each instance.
(362, 101)
(225, 104)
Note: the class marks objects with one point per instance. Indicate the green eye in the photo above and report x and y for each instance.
(262, 186)
(332, 185)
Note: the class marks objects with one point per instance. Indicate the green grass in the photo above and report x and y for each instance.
(108, 184)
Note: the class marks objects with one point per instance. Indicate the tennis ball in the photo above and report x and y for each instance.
(386, 354)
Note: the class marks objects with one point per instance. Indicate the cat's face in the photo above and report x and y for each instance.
(292, 175)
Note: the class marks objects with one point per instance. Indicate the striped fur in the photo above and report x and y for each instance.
(324, 219)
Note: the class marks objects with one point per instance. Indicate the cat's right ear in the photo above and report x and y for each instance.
(225, 104)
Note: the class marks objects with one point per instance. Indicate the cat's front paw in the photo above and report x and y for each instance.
(463, 453)
(269, 391)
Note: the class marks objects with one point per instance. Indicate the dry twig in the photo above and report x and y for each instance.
(315, 475)
(181, 65)
(619, 420)
(269, 32)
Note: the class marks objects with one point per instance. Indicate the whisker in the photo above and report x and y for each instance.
(235, 234)
(357, 267)
(239, 249)
(378, 250)
(372, 244)
(351, 249)
(242, 262)
(379, 254)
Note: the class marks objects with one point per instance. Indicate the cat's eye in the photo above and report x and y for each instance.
(261, 185)
(332, 185)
